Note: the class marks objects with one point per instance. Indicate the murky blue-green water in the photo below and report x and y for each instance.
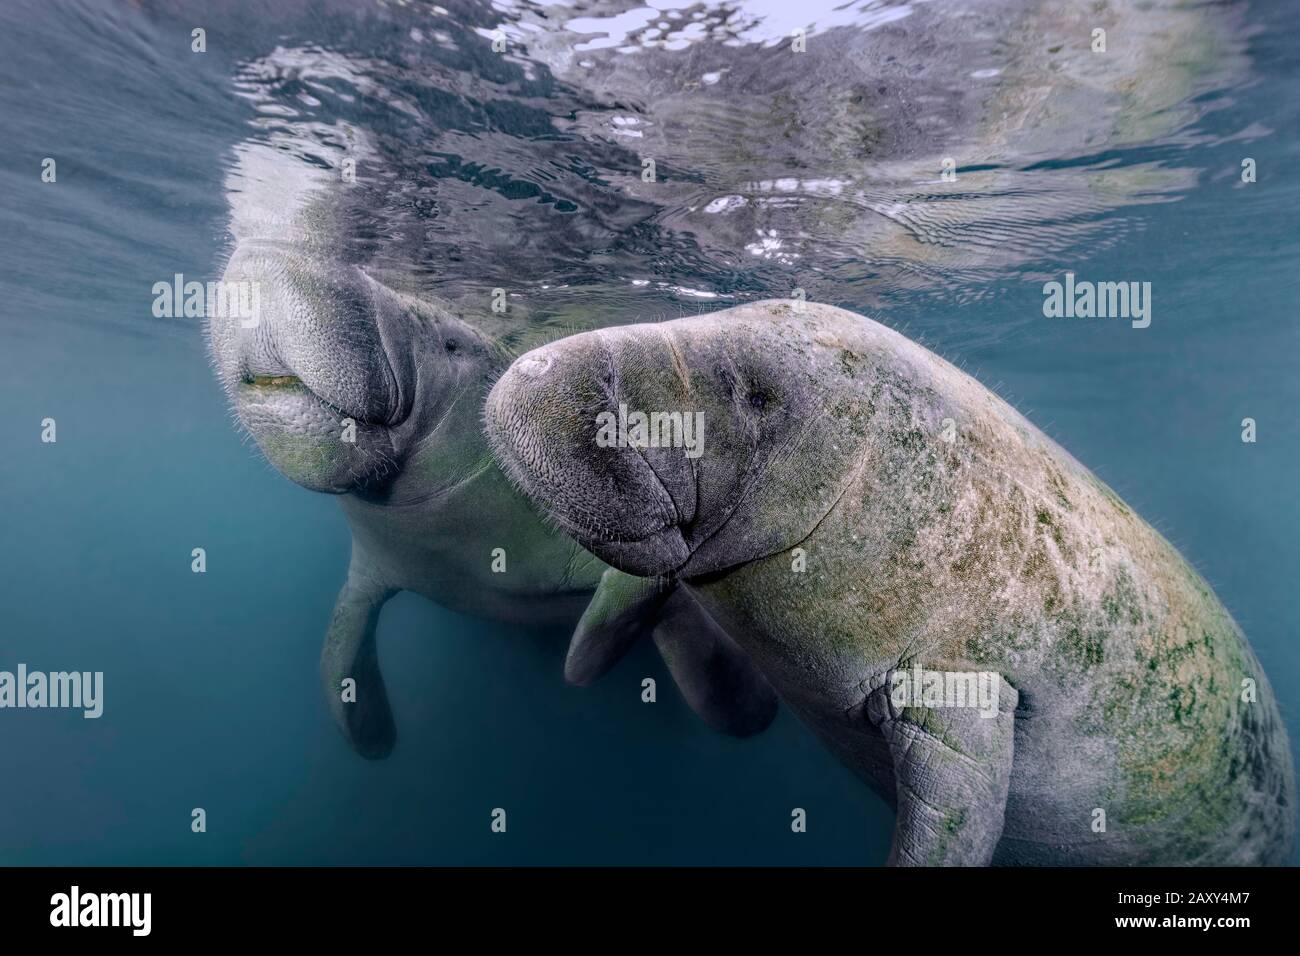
(523, 171)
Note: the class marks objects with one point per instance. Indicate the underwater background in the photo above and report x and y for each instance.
(514, 173)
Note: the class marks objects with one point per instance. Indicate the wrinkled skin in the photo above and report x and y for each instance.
(935, 527)
(352, 388)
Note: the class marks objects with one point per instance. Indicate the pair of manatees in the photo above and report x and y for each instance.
(1120, 678)
(860, 509)
(934, 528)
(351, 388)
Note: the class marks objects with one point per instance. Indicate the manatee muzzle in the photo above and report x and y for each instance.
(622, 502)
(317, 375)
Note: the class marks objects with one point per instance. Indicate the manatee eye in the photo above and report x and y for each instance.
(757, 400)
(451, 346)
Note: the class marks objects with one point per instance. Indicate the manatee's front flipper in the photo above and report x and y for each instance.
(621, 612)
(361, 708)
(952, 769)
(716, 677)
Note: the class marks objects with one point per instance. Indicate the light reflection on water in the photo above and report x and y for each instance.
(773, 170)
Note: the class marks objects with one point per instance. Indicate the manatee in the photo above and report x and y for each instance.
(862, 515)
(353, 388)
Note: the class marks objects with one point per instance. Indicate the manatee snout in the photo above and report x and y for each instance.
(317, 370)
(730, 440)
(558, 422)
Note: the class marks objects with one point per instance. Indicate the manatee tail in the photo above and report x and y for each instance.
(717, 679)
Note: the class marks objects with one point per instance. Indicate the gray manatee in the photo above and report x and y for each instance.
(961, 611)
(354, 388)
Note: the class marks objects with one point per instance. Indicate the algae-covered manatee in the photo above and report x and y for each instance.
(960, 610)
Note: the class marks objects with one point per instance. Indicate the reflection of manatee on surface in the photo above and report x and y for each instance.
(1126, 689)
(819, 170)
(826, 166)
(352, 388)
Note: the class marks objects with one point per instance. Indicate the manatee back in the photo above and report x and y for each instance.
(966, 539)
(1139, 692)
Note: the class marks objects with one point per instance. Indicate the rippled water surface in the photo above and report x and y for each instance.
(526, 169)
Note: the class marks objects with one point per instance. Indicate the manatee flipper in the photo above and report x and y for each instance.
(621, 612)
(719, 681)
(350, 652)
(952, 770)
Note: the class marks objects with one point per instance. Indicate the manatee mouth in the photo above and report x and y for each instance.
(668, 538)
(660, 552)
(267, 401)
(272, 381)
(324, 378)
(666, 551)
(310, 440)
(287, 388)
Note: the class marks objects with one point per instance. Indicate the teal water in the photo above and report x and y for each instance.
(212, 697)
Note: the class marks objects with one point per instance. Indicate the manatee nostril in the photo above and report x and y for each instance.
(532, 366)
